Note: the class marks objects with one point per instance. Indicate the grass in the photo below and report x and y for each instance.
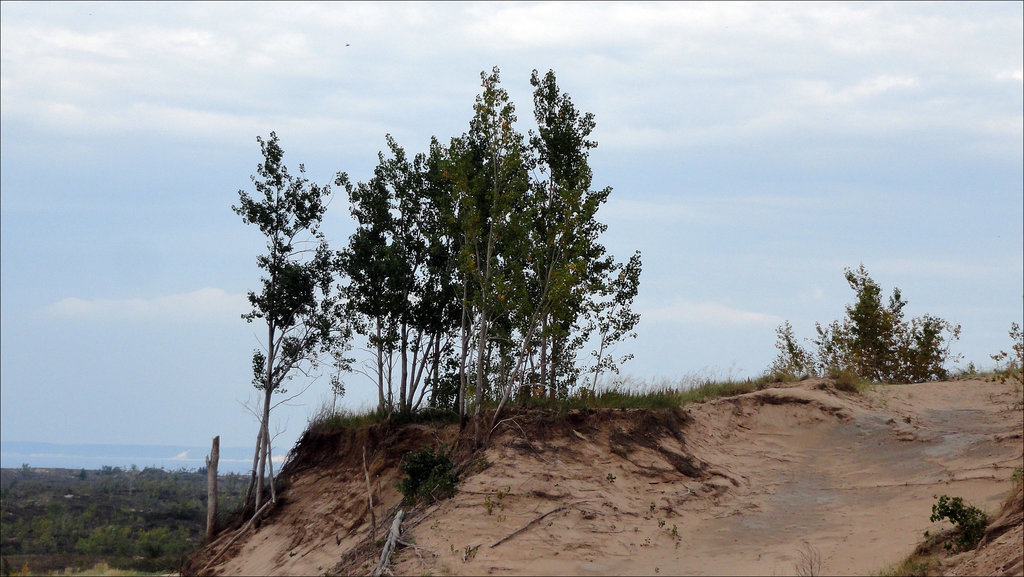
(913, 566)
(621, 393)
(328, 419)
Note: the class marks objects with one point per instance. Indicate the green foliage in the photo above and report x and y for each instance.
(429, 476)
(1013, 369)
(872, 342)
(970, 520)
(793, 361)
(143, 519)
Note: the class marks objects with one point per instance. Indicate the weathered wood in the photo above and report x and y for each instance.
(211, 488)
(393, 535)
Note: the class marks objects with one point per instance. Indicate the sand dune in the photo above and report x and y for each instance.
(747, 485)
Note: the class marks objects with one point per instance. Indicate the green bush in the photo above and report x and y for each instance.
(970, 520)
(429, 476)
(1013, 369)
(873, 341)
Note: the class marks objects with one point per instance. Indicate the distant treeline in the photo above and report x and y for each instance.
(147, 519)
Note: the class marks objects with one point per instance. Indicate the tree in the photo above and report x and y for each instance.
(613, 316)
(872, 341)
(489, 167)
(297, 300)
(400, 262)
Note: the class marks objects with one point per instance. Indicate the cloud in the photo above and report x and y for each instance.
(656, 74)
(706, 313)
(203, 305)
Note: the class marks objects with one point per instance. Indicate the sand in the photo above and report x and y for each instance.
(776, 482)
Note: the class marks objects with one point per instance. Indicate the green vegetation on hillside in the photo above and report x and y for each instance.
(144, 519)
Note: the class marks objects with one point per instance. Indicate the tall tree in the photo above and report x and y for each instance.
(489, 170)
(568, 255)
(399, 262)
(297, 299)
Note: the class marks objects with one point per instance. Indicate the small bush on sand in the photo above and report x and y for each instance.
(970, 520)
(1013, 370)
(429, 476)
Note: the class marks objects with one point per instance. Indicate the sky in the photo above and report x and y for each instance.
(754, 151)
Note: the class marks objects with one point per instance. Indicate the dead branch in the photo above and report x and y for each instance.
(809, 562)
(393, 535)
(531, 523)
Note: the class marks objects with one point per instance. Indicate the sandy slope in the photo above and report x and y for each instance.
(735, 486)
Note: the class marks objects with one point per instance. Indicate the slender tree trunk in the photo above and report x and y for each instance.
(436, 368)
(265, 442)
(211, 489)
(463, 378)
(597, 366)
(553, 367)
(403, 391)
(270, 469)
(544, 356)
(380, 371)
(480, 354)
(252, 476)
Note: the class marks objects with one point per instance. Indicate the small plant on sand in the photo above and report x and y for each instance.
(970, 520)
(610, 478)
(1013, 371)
(429, 476)
(490, 504)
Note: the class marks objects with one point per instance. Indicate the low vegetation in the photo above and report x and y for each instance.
(429, 476)
(969, 520)
(140, 519)
(1010, 365)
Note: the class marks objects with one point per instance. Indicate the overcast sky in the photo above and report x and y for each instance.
(755, 150)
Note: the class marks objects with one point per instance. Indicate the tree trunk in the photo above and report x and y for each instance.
(393, 535)
(403, 392)
(264, 443)
(544, 357)
(211, 488)
(252, 476)
(480, 353)
(463, 378)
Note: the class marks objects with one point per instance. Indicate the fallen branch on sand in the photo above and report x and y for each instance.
(528, 525)
(385, 555)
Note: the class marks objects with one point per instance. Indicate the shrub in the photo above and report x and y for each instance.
(1013, 372)
(793, 361)
(970, 520)
(872, 341)
(429, 476)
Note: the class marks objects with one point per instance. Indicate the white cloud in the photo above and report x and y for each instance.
(706, 313)
(1013, 75)
(203, 305)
